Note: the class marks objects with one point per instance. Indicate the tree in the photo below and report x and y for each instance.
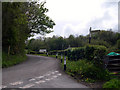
(20, 20)
(118, 44)
(39, 22)
(14, 28)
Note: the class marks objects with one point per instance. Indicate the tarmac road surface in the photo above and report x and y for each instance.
(38, 72)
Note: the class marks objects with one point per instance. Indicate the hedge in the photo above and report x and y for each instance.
(76, 53)
(89, 52)
(63, 52)
(95, 52)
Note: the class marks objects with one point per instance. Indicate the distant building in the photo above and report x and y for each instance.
(42, 50)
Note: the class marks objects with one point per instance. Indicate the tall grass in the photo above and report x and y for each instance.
(11, 60)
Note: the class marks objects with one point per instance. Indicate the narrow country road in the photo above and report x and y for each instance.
(38, 72)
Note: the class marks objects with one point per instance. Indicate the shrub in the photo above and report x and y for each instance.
(76, 53)
(87, 69)
(89, 52)
(92, 51)
(89, 80)
(113, 83)
(57, 51)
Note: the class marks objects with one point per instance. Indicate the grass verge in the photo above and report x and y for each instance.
(11, 60)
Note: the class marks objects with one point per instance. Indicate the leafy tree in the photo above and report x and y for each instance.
(20, 20)
(118, 44)
(39, 22)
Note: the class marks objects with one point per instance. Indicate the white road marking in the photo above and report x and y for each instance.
(51, 78)
(55, 76)
(47, 79)
(40, 77)
(16, 83)
(27, 86)
(53, 72)
(59, 74)
(41, 81)
(47, 74)
(56, 71)
(32, 79)
(3, 86)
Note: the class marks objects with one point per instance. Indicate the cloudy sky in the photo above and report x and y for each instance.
(77, 16)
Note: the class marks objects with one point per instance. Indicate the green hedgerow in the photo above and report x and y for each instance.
(87, 70)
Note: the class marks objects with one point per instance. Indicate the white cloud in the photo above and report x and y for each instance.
(73, 10)
(76, 16)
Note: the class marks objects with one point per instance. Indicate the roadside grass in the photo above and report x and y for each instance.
(11, 60)
(40, 54)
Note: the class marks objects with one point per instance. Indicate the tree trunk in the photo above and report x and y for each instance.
(8, 50)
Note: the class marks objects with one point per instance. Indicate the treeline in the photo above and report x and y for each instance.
(21, 20)
(109, 39)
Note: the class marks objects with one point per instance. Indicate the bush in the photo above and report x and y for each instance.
(87, 69)
(95, 51)
(90, 52)
(76, 53)
(113, 83)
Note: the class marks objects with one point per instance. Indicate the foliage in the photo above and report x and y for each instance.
(14, 28)
(32, 52)
(87, 70)
(76, 53)
(89, 80)
(35, 45)
(84, 69)
(21, 20)
(90, 52)
(102, 38)
(55, 43)
(12, 59)
(118, 44)
(100, 42)
(113, 83)
(95, 51)
(108, 36)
